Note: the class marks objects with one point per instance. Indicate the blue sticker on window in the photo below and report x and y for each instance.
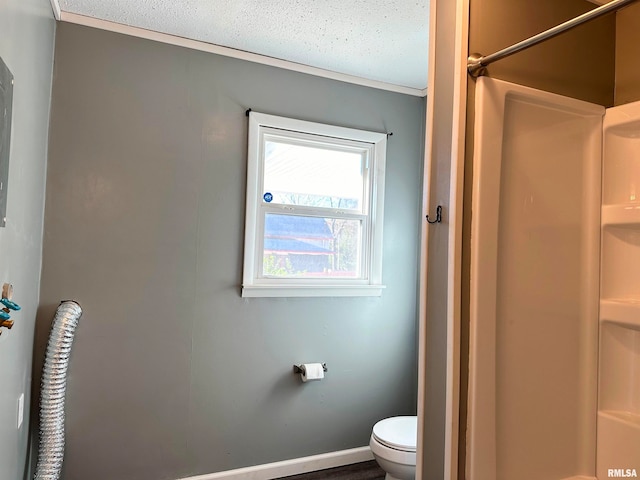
(267, 197)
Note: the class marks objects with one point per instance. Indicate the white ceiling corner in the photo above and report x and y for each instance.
(380, 41)
(55, 6)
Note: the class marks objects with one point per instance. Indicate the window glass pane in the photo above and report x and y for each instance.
(311, 176)
(311, 247)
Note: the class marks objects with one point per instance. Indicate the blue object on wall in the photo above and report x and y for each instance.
(9, 304)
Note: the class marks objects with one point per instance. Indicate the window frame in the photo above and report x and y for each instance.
(370, 283)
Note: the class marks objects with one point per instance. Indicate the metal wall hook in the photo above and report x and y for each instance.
(438, 215)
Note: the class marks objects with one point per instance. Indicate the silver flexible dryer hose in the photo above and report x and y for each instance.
(52, 391)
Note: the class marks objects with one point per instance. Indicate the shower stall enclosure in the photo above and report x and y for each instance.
(554, 383)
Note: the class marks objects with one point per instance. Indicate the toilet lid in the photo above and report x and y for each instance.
(397, 432)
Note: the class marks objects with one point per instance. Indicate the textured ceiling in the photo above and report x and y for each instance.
(383, 40)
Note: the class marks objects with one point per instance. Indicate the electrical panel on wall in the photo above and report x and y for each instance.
(6, 100)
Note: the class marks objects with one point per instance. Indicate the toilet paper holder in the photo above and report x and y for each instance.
(297, 369)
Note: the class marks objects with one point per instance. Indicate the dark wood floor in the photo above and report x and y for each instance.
(358, 471)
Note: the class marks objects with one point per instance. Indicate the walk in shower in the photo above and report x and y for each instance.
(554, 347)
(554, 389)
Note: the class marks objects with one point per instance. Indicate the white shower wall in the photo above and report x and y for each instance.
(618, 448)
(534, 285)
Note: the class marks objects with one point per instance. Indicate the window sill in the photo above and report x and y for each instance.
(312, 290)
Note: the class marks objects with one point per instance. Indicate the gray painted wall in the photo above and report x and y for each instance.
(173, 373)
(26, 45)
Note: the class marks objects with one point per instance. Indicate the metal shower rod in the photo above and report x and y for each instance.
(476, 62)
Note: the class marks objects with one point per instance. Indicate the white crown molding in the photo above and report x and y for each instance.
(230, 52)
(294, 466)
(55, 6)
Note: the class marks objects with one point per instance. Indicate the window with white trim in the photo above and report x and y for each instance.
(314, 214)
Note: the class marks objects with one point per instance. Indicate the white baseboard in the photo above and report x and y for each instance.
(294, 466)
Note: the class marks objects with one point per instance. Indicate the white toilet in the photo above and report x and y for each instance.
(393, 444)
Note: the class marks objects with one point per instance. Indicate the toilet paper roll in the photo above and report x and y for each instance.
(311, 371)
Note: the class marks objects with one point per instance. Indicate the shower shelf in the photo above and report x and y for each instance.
(618, 425)
(625, 312)
(621, 214)
(618, 440)
(628, 418)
